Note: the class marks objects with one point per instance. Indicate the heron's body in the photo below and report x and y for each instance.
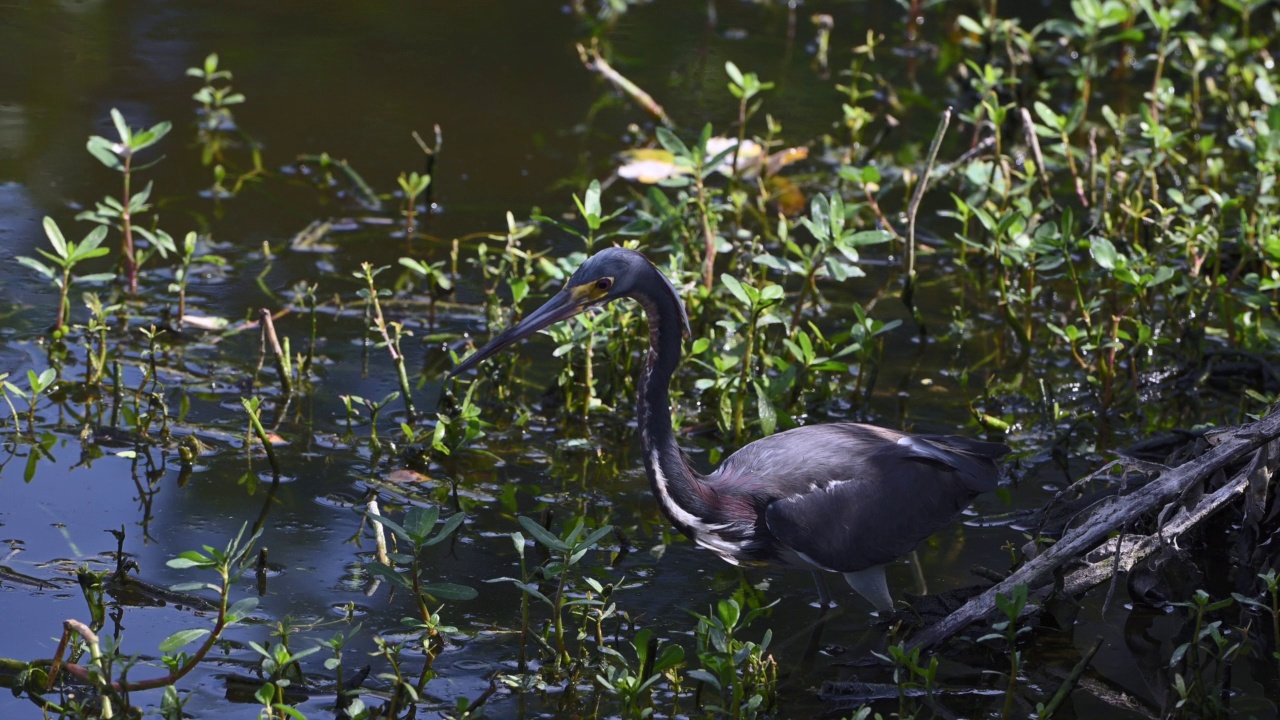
(841, 497)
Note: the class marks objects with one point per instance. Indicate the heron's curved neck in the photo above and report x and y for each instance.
(678, 488)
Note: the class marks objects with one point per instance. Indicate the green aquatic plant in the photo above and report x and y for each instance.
(739, 675)
(217, 128)
(1008, 630)
(122, 213)
(745, 87)
(65, 256)
(439, 282)
(568, 550)
(910, 675)
(633, 685)
(37, 385)
(413, 185)
(107, 662)
(696, 167)
(391, 332)
(1201, 665)
(420, 529)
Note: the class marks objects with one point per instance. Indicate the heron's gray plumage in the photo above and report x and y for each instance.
(850, 496)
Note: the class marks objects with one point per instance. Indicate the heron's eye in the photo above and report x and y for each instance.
(603, 284)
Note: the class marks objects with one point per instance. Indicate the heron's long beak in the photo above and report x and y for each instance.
(564, 305)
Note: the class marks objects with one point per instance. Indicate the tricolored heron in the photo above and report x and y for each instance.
(841, 497)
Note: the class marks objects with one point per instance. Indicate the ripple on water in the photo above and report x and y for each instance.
(348, 609)
(338, 501)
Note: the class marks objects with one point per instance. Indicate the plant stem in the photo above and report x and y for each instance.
(281, 360)
(126, 223)
(739, 402)
(908, 290)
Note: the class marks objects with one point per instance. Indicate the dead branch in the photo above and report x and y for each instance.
(593, 61)
(1081, 540)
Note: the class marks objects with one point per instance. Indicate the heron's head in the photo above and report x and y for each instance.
(606, 276)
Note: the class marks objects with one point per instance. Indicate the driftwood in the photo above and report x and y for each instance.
(1108, 555)
(596, 63)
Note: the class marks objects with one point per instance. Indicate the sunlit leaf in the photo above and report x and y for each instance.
(241, 609)
(1104, 253)
(122, 128)
(182, 638)
(102, 149)
(56, 239)
(45, 270)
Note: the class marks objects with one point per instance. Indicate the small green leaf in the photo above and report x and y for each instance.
(189, 587)
(56, 239)
(533, 591)
(42, 382)
(541, 534)
(450, 591)
(241, 609)
(89, 247)
(103, 149)
(182, 638)
(391, 525)
(382, 571)
(595, 536)
(734, 73)
(38, 266)
(1104, 253)
(735, 287)
(450, 525)
(420, 521)
(97, 277)
(672, 143)
(706, 677)
(122, 128)
(1049, 117)
(671, 656)
(1266, 91)
(768, 415)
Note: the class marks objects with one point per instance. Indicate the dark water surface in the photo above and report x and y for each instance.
(519, 115)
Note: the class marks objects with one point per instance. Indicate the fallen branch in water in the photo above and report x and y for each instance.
(1120, 554)
(593, 61)
(1075, 544)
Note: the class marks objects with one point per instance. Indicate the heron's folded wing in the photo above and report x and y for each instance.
(856, 524)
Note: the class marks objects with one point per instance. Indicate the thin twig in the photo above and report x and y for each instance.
(913, 209)
(1034, 143)
(593, 61)
(281, 360)
(429, 165)
(379, 536)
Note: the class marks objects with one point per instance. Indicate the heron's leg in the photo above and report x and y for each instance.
(824, 593)
(870, 584)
